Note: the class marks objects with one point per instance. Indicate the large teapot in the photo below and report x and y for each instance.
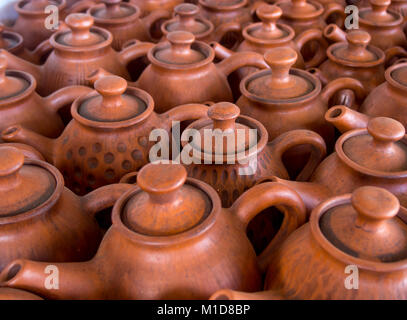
(77, 52)
(170, 239)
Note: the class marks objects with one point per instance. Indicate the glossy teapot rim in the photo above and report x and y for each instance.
(45, 206)
(357, 64)
(19, 43)
(391, 80)
(114, 21)
(24, 94)
(338, 254)
(361, 169)
(188, 235)
(114, 124)
(292, 102)
(249, 37)
(22, 11)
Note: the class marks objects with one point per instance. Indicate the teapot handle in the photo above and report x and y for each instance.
(310, 35)
(104, 197)
(153, 17)
(239, 60)
(295, 138)
(134, 50)
(263, 196)
(394, 54)
(332, 8)
(190, 111)
(341, 84)
(225, 28)
(64, 96)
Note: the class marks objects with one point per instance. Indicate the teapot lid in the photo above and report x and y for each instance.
(180, 51)
(378, 15)
(24, 186)
(167, 202)
(356, 51)
(81, 33)
(300, 9)
(366, 226)
(223, 4)
(38, 5)
(279, 82)
(114, 10)
(268, 30)
(377, 150)
(12, 84)
(187, 20)
(113, 102)
(9, 40)
(226, 134)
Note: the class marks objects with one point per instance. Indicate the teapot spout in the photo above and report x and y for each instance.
(239, 295)
(335, 34)
(19, 134)
(17, 63)
(345, 119)
(311, 193)
(53, 280)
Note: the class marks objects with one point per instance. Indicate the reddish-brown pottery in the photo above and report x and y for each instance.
(170, 239)
(17, 294)
(108, 136)
(40, 219)
(363, 232)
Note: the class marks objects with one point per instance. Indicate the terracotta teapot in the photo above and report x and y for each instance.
(16, 294)
(374, 156)
(182, 71)
(123, 21)
(187, 19)
(169, 217)
(366, 230)
(385, 26)
(14, 43)
(108, 135)
(41, 219)
(285, 98)
(355, 58)
(77, 52)
(20, 104)
(255, 158)
(31, 20)
(389, 98)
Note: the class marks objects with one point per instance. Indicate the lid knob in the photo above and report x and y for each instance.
(269, 14)
(299, 3)
(80, 25)
(111, 89)
(11, 161)
(358, 40)
(385, 130)
(224, 115)
(186, 13)
(112, 6)
(280, 60)
(161, 181)
(181, 41)
(374, 205)
(379, 7)
(3, 67)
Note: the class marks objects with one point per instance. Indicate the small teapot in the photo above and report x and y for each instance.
(182, 71)
(20, 104)
(168, 230)
(374, 156)
(354, 58)
(77, 52)
(385, 26)
(41, 219)
(123, 21)
(108, 135)
(32, 18)
(364, 231)
(253, 160)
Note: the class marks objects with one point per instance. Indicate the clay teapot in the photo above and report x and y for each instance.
(187, 19)
(31, 20)
(14, 43)
(20, 104)
(366, 230)
(389, 98)
(182, 71)
(16, 294)
(41, 219)
(123, 21)
(355, 58)
(77, 52)
(285, 98)
(108, 135)
(169, 217)
(374, 156)
(254, 158)
(385, 26)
